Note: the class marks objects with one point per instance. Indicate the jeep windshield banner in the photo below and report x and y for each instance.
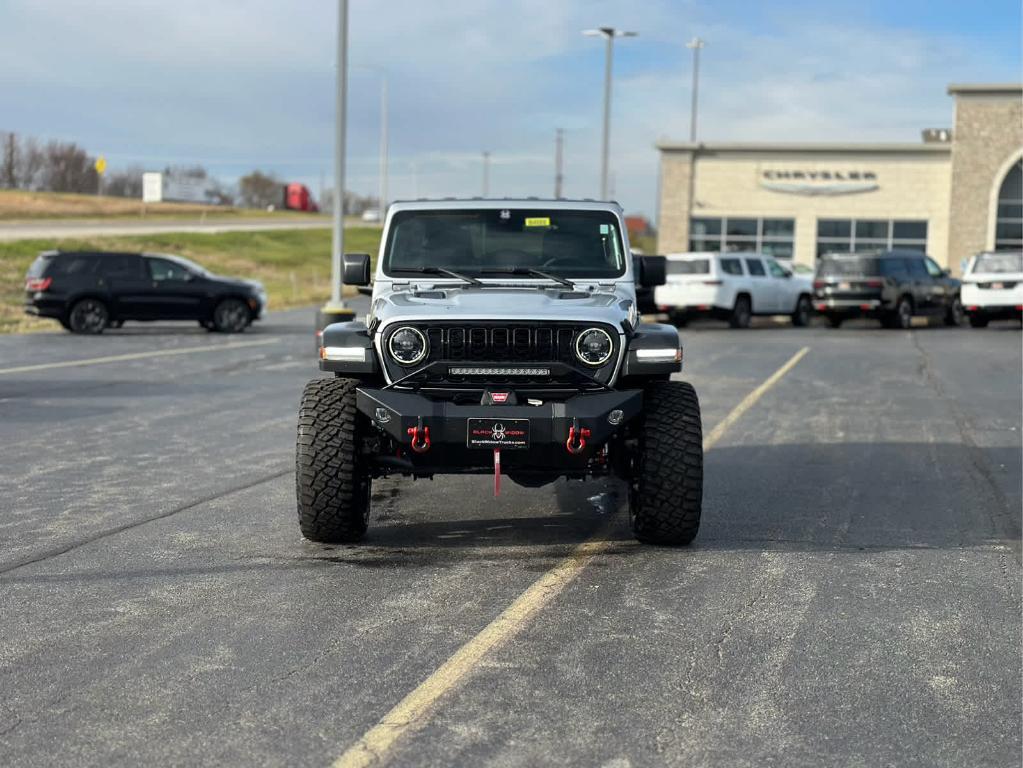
(506, 243)
(497, 433)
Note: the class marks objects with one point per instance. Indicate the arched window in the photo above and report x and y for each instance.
(1009, 223)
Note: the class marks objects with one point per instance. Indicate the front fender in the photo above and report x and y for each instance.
(347, 349)
(653, 349)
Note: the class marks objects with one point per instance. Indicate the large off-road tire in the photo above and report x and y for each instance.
(332, 482)
(903, 317)
(666, 489)
(742, 312)
(88, 316)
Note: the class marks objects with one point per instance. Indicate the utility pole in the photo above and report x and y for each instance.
(695, 45)
(609, 34)
(335, 309)
(383, 145)
(559, 177)
(486, 173)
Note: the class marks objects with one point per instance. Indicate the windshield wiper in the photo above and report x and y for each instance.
(435, 271)
(527, 271)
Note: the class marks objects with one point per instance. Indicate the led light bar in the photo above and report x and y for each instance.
(475, 371)
(344, 354)
(659, 354)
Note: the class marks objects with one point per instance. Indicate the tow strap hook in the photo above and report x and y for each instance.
(420, 437)
(577, 435)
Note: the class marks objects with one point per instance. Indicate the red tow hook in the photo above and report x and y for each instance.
(576, 439)
(420, 438)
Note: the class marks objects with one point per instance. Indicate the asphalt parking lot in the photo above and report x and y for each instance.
(853, 597)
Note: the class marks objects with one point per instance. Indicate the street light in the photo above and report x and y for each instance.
(695, 45)
(335, 309)
(609, 34)
(486, 174)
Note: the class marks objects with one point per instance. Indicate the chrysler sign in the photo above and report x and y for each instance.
(819, 182)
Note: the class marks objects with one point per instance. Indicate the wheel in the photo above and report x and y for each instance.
(955, 315)
(332, 482)
(978, 321)
(903, 318)
(742, 312)
(835, 321)
(801, 317)
(666, 488)
(231, 316)
(88, 316)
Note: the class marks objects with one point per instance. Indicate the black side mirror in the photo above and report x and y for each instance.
(355, 269)
(651, 271)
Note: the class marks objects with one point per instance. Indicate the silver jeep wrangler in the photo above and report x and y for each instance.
(503, 337)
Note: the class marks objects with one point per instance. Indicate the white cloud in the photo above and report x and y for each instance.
(240, 84)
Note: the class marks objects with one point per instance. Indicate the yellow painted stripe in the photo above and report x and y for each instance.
(747, 402)
(412, 711)
(138, 356)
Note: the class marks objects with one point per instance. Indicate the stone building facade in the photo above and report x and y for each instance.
(799, 200)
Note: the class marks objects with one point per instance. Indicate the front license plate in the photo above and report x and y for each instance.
(844, 286)
(998, 286)
(497, 433)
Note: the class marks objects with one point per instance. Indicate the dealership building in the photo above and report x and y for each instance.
(953, 194)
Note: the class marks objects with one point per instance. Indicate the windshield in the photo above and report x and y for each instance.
(568, 244)
(688, 266)
(848, 265)
(998, 263)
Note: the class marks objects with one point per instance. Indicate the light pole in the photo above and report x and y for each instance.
(486, 173)
(335, 310)
(559, 177)
(609, 34)
(695, 45)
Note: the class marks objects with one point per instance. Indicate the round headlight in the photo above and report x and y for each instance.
(407, 345)
(594, 346)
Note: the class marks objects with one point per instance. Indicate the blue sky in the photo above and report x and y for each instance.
(240, 85)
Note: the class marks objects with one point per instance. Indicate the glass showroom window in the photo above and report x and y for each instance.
(1009, 222)
(851, 236)
(773, 237)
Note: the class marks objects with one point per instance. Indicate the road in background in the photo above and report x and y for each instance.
(41, 229)
(853, 596)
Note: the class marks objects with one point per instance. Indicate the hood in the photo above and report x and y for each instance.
(511, 303)
(241, 282)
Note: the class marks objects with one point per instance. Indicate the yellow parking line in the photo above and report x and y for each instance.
(138, 356)
(412, 711)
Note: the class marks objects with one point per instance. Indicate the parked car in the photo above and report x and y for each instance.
(731, 286)
(993, 287)
(88, 291)
(890, 286)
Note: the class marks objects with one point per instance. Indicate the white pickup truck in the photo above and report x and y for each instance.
(992, 287)
(733, 287)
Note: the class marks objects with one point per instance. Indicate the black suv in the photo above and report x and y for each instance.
(87, 291)
(891, 286)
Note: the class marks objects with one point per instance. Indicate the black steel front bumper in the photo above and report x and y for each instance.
(399, 414)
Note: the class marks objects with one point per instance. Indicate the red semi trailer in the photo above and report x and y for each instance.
(297, 197)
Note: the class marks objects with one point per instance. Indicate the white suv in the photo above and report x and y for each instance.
(992, 287)
(732, 286)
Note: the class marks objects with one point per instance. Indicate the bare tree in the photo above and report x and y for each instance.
(124, 183)
(29, 163)
(69, 168)
(8, 168)
(259, 190)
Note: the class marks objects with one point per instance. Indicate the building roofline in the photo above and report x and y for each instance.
(820, 147)
(1009, 89)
